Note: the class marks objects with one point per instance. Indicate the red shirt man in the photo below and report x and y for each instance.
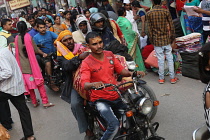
(94, 70)
(98, 68)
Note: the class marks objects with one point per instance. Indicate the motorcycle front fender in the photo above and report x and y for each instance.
(201, 133)
(141, 82)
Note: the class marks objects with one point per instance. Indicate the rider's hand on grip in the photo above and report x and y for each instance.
(141, 73)
(138, 74)
(98, 85)
(44, 55)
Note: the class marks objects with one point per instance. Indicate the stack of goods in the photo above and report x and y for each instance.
(189, 46)
(189, 43)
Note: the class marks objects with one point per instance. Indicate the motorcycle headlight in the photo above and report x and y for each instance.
(145, 106)
(131, 65)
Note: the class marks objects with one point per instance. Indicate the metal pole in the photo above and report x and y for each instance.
(6, 5)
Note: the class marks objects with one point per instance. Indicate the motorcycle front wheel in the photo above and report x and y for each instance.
(98, 133)
(148, 92)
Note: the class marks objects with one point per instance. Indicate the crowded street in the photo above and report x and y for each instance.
(180, 112)
(104, 70)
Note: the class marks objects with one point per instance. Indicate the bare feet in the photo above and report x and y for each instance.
(54, 87)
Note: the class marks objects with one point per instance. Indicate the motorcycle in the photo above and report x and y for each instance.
(202, 133)
(135, 121)
(117, 48)
(57, 76)
(144, 88)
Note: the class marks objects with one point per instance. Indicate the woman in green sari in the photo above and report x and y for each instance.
(131, 38)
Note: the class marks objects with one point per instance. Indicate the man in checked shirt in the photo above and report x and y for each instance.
(161, 34)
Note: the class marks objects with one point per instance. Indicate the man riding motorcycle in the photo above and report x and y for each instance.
(69, 59)
(46, 38)
(96, 70)
(99, 25)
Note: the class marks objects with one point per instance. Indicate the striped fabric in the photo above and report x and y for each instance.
(207, 110)
(11, 81)
(205, 5)
(206, 22)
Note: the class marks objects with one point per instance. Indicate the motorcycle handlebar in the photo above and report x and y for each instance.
(50, 54)
(41, 46)
(105, 85)
(136, 75)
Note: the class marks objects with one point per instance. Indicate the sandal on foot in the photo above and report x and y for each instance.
(37, 103)
(48, 105)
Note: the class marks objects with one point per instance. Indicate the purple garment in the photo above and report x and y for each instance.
(33, 32)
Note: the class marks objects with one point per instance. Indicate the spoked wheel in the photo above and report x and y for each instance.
(97, 130)
(148, 92)
(57, 77)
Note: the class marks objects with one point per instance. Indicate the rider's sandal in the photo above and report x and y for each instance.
(48, 105)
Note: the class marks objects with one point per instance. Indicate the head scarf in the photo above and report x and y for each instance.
(62, 50)
(63, 33)
(82, 18)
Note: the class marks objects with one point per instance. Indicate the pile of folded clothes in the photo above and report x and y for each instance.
(189, 43)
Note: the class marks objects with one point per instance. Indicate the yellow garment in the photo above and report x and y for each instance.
(115, 30)
(5, 34)
(61, 49)
(64, 51)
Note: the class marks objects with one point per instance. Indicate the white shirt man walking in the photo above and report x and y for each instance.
(12, 88)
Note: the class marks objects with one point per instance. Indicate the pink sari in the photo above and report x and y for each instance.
(35, 79)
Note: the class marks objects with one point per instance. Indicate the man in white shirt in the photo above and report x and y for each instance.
(12, 88)
(130, 16)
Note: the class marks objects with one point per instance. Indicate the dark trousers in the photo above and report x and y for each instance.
(6, 110)
(205, 36)
(20, 105)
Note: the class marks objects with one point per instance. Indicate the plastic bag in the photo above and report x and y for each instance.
(4, 135)
(143, 41)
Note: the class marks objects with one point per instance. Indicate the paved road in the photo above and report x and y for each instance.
(179, 113)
